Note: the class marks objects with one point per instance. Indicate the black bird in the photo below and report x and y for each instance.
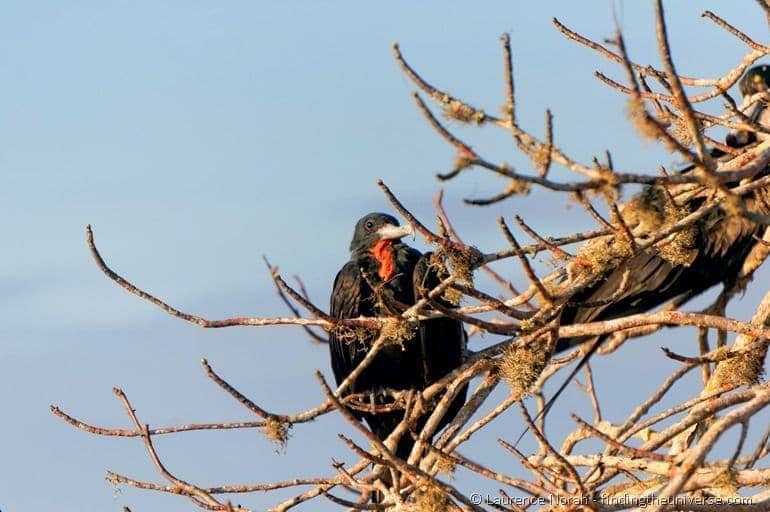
(711, 252)
(756, 80)
(383, 278)
(714, 252)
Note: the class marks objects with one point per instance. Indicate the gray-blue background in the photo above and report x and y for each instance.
(198, 136)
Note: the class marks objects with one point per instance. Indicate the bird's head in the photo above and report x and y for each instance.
(376, 228)
(757, 79)
(754, 107)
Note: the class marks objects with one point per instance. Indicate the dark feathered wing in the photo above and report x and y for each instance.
(722, 246)
(648, 273)
(347, 301)
(443, 340)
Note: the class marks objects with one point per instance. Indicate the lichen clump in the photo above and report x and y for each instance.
(743, 369)
(397, 330)
(681, 249)
(453, 296)
(351, 334)
(464, 113)
(641, 120)
(431, 498)
(446, 466)
(541, 156)
(651, 211)
(276, 432)
(725, 483)
(520, 367)
(461, 261)
(680, 131)
(599, 255)
(646, 212)
(438, 265)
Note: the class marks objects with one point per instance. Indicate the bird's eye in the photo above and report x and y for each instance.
(369, 224)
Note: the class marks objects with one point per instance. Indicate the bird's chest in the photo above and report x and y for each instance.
(386, 284)
(386, 298)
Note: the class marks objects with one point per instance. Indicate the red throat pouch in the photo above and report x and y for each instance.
(383, 254)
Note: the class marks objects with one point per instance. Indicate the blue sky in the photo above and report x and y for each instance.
(196, 137)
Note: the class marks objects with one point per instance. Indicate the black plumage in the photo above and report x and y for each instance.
(755, 80)
(715, 253)
(384, 277)
(719, 248)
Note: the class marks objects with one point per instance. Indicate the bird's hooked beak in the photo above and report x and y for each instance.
(391, 232)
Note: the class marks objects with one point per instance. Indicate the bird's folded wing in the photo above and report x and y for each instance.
(346, 301)
(443, 340)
